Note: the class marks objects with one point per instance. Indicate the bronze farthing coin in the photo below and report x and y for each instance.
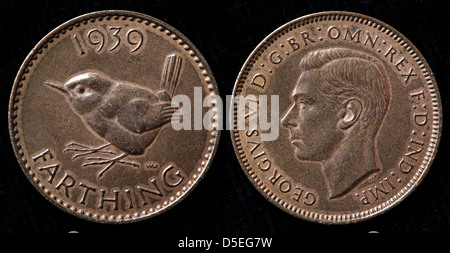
(91, 116)
(359, 117)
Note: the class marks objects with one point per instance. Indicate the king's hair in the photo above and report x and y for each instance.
(348, 74)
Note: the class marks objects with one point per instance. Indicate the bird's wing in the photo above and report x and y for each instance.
(123, 95)
(130, 115)
(139, 115)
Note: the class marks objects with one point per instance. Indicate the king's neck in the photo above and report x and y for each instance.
(348, 166)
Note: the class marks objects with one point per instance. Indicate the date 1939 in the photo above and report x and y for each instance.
(110, 38)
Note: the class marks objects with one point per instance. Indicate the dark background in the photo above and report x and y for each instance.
(225, 32)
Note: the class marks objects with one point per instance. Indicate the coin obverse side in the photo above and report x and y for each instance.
(90, 117)
(359, 117)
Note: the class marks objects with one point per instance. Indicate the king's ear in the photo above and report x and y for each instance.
(351, 113)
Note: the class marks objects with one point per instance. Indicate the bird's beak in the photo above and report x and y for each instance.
(56, 86)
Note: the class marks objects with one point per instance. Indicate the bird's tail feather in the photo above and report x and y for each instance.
(171, 73)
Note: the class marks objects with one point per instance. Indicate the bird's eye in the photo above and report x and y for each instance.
(80, 89)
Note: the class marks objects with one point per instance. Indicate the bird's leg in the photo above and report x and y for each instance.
(103, 160)
(109, 161)
(86, 150)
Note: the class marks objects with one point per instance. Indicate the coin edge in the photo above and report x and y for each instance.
(428, 159)
(205, 71)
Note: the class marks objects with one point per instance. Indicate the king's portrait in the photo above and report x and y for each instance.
(338, 105)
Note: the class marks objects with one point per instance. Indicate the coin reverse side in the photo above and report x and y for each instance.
(91, 116)
(359, 117)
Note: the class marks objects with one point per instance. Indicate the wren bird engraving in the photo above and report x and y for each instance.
(126, 115)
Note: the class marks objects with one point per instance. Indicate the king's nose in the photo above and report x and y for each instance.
(288, 120)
